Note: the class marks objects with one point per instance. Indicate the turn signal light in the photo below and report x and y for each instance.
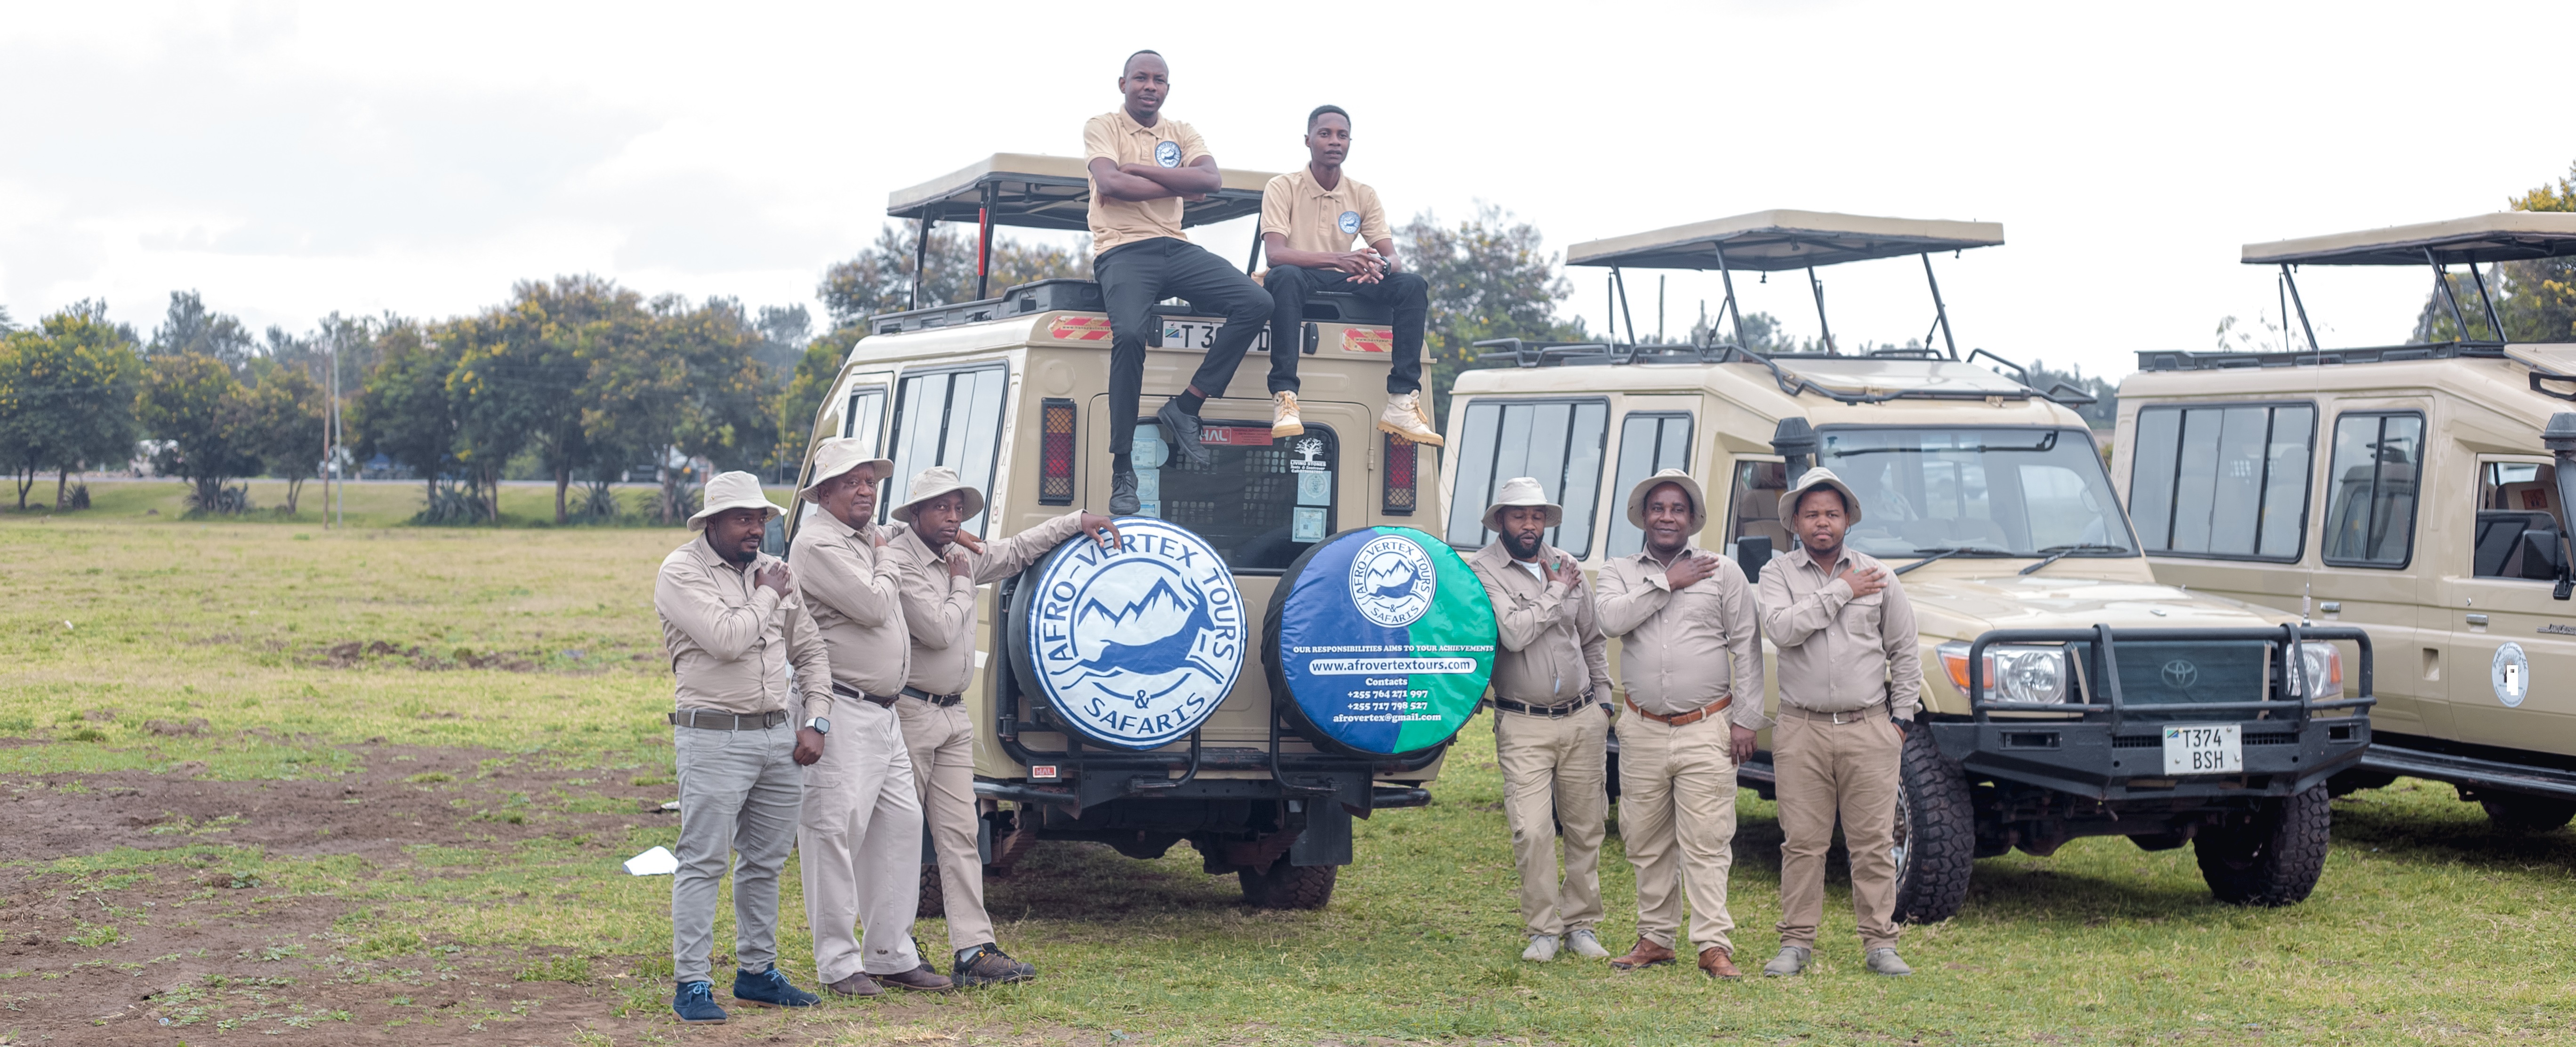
(1401, 459)
(1055, 452)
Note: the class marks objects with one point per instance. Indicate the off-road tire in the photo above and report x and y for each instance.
(2271, 857)
(1937, 829)
(933, 905)
(2517, 814)
(1288, 886)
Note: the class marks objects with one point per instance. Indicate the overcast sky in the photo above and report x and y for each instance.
(290, 160)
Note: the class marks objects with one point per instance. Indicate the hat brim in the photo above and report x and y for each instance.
(1690, 487)
(974, 501)
(813, 490)
(1494, 514)
(1789, 501)
(769, 512)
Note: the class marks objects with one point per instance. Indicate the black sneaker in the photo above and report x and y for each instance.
(1122, 494)
(987, 964)
(1184, 433)
(695, 1003)
(768, 988)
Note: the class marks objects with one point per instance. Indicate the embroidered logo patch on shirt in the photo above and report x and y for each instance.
(1167, 153)
(1350, 222)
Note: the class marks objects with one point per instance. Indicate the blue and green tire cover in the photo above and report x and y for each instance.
(1379, 642)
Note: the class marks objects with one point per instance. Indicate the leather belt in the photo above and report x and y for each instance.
(1553, 712)
(710, 720)
(846, 691)
(941, 700)
(1874, 710)
(1684, 719)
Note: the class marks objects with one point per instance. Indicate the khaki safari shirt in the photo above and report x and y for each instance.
(1119, 137)
(856, 596)
(1553, 653)
(1314, 218)
(733, 644)
(939, 611)
(1839, 654)
(1681, 650)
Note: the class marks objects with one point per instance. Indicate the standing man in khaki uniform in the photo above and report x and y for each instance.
(860, 833)
(1143, 164)
(1691, 656)
(1850, 681)
(1553, 667)
(1308, 219)
(942, 564)
(736, 630)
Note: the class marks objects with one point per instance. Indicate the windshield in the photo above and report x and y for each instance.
(2014, 492)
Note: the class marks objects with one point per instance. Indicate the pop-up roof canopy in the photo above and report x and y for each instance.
(1772, 241)
(2506, 236)
(1036, 191)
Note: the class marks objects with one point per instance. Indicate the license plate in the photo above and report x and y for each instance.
(2204, 749)
(1201, 335)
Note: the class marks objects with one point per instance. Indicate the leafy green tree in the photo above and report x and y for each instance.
(815, 373)
(67, 391)
(403, 411)
(879, 279)
(286, 427)
(784, 330)
(1489, 279)
(193, 403)
(2535, 299)
(526, 373)
(189, 327)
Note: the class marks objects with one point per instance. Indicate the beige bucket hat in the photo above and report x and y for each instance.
(935, 481)
(1690, 489)
(734, 491)
(840, 455)
(1815, 478)
(1519, 491)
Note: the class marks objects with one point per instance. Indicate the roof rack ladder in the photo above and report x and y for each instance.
(1940, 312)
(1819, 287)
(2292, 283)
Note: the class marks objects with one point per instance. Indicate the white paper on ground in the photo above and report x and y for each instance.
(656, 862)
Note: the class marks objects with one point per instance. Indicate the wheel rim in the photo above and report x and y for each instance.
(1902, 848)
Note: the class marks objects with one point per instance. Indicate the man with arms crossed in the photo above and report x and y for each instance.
(860, 833)
(735, 630)
(1308, 217)
(942, 564)
(1849, 683)
(1553, 667)
(1143, 164)
(1692, 659)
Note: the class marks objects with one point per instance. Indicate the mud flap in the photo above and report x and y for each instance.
(1327, 839)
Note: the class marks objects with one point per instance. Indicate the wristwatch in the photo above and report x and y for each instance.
(820, 725)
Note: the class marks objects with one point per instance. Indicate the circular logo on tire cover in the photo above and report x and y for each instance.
(1350, 221)
(1382, 640)
(1167, 153)
(1137, 647)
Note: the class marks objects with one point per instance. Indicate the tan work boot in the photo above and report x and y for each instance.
(1283, 416)
(1714, 963)
(1404, 417)
(1645, 954)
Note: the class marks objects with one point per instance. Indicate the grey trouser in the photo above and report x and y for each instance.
(943, 774)
(1555, 771)
(1829, 771)
(1677, 816)
(739, 793)
(860, 841)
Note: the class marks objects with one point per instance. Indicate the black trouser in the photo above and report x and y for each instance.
(1135, 276)
(1407, 294)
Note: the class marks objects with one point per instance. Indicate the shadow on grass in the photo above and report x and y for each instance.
(2425, 820)
(1065, 880)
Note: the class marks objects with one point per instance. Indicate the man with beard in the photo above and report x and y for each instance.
(735, 630)
(942, 564)
(1553, 666)
(1692, 659)
(860, 833)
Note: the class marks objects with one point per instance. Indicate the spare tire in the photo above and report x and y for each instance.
(1379, 642)
(1132, 648)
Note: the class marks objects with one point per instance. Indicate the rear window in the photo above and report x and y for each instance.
(1557, 442)
(1260, 502)
(950, 418)
(2228, 482)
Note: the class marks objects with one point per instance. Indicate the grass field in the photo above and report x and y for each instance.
(373, 786)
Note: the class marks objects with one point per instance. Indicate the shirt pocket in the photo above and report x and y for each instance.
(1865, 611)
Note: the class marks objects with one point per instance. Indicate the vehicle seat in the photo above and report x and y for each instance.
(2529, 496)
(2500, 545)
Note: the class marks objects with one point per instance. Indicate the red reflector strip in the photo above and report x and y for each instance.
(1401, 461)
(1079, 328)
(1055, 453)
(1367, 340)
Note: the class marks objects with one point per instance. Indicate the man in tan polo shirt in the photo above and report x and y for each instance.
(1143, 164)
(942, 564)
(1551, 673)
(1691, 656)
(1850, 680)
(1309, 217)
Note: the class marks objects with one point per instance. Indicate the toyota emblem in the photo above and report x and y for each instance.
(2181, 674)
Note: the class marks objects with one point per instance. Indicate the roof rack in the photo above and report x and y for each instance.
(2224, 361)
(2504, 236)
(1037, 191)
(1539, 353)
(1070, 294)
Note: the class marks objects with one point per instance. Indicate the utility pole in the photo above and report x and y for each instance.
(330, 434)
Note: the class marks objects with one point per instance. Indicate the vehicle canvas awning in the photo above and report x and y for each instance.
(2506, 236)
(1036, 191)
(1771, 241)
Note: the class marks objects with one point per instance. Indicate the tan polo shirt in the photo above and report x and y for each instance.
(1116, 135)
(856, 596)
(733, 644)
(1837, 653)
(1682, 650)
(1552, 652)
(1314, 218)
(939, 611)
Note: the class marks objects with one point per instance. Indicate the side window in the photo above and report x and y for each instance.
(1648, 444)
(2228, 482)
(1557, 442)
(2519, 521)
(950, 418)
(1756, 501)
(864, 421)
(2370, 500)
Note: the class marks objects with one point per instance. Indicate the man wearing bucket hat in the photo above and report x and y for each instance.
(1849, 681)
(942, 564)
(737, 634)
(860, 834)
(1691, 657)
(1553, 666)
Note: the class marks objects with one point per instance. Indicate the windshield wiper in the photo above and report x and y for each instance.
(2058, 552)
(1947, 551)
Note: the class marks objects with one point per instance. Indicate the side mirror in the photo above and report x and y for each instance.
(2560, 437)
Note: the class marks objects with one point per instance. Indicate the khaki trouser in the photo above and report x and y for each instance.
(942, 744)
(739, 795)
(1554, 772)
(860, 838)
(1677, 817)
(1827, 769)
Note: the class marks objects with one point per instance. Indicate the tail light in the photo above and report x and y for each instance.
(1399, 495)
(1055, 452)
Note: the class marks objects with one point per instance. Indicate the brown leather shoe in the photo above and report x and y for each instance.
(1714, 963)
(855, 985)
(1646, 954)
(918, 979)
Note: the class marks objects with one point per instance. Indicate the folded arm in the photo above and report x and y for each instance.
(861, 587)
(1622, 605)
(1521, 620)
(692, 600)
(1789, 622)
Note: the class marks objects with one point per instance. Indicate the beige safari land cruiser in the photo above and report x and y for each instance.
(2419, 492)
(1009, 391)
(2067, 692)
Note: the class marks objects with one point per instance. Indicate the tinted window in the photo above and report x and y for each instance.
(2016, 492)
(2520, 523)
(1557, 442)
(1259, 501)
(2222, 481)
(2370, 507)
(865, 420)
(1648, 444)
(950, 418)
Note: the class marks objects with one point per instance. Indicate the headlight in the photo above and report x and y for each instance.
(2012, 673)
(2324, 664)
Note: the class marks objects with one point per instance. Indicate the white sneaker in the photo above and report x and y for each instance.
(1283, 416)
(1585, 944)
(1404, 417)
(1542, 948)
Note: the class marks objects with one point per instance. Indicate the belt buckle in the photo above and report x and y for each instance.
(1839, 721)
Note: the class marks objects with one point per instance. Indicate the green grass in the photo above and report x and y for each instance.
(2426, 929)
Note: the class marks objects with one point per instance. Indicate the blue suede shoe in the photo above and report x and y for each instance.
(696, 1003)
(770, 989)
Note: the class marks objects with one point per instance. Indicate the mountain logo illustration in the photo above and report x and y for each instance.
(1392, 581)
(1150, 636)
(1135, 647)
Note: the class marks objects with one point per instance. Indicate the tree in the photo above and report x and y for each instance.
(286, 427)
(694, 386)
(2535, 299)
(403, 410)
(879, 279)
(525, 374)
(815, 373)
(784, 330)
(193, 402)
(1489, 279)
(67, 390)
(189, 327)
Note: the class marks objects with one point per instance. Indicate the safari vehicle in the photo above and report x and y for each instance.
(1010, 391)
(2418, 492)
(2067, 693)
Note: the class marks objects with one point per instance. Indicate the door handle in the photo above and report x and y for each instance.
(2331, 607)
(2477, 619)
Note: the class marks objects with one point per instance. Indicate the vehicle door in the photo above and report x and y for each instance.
(855, 408)
(2513, 647)
(2372, 573)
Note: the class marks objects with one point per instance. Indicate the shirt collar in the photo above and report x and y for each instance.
(1127, 122)
(1810, 557)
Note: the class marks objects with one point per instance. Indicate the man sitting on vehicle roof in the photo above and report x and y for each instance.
(1308, 218)
(1142, 167)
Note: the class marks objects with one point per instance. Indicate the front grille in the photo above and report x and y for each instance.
(2176, 673)
(2138, 741)
(2271, 738)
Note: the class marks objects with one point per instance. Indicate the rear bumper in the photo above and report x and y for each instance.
(2091, 760)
